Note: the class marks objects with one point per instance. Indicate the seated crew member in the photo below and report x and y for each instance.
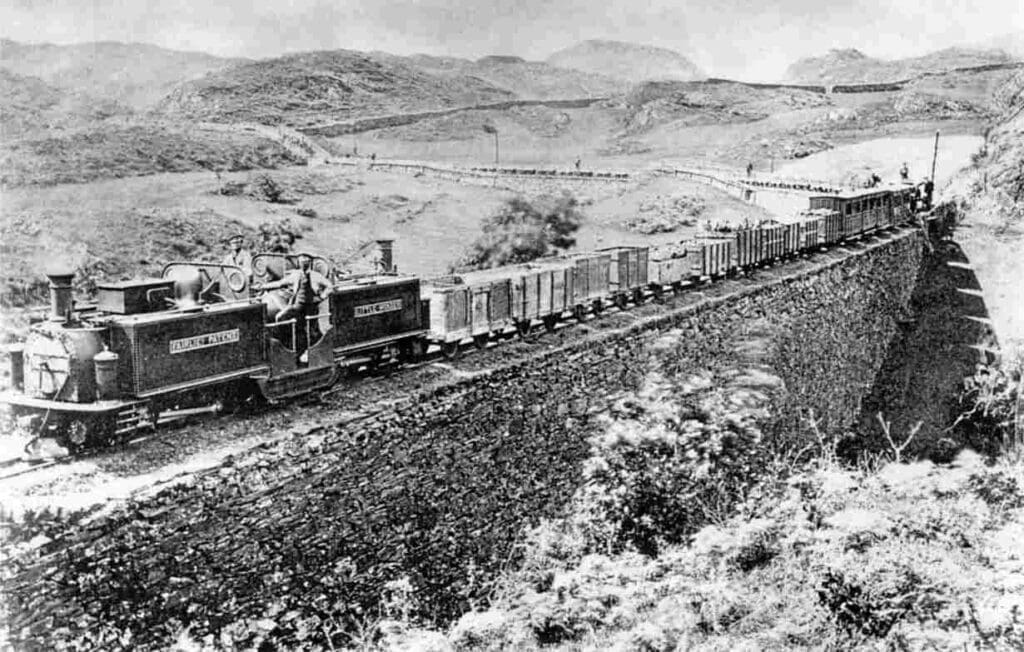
(239, 256)
(308, 289)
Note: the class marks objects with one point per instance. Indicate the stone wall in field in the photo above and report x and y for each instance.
(299, 537)
(360, 125)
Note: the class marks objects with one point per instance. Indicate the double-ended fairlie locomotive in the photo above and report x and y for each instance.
(199, 335)
(206, 333)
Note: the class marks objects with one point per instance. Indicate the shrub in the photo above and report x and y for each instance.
(522, 231)
(743, 546)
(988, 406)
(668, 468)
(997, 488)
(869, 594)
(645, 637)
(958, 523)
(265, 188)
(480, 631)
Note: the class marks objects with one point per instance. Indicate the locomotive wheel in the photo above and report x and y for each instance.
(598, 306)
(523, 328)
(579, 312)
(450, 350)
(412, 350)
(620, 301)
(77, 433)
(375, 359)
(638, 296)
(677, 287)
(480, 341)
(550, 321)
(656, 290)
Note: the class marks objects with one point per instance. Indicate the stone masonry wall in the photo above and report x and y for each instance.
(439, 488)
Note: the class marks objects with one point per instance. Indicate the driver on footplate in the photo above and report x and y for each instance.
(308, 289)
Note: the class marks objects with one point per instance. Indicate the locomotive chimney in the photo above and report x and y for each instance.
(387, 262)
(61, 300)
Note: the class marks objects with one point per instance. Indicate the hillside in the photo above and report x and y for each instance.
(137, 148)
(851, 66)
(991, 196)
(526, 79)
(137, 74)
(29, 105)
(626, 61)
(654, 103)
(315, 87)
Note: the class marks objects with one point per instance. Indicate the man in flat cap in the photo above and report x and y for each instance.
(239, 256)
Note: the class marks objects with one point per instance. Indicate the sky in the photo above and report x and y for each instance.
(742, 39)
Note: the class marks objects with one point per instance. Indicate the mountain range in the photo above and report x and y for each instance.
(851, 66)
(97, 80)
(626, 61)
(135, 74)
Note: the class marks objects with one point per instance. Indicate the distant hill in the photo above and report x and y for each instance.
(314, 87)
(28, 105)
(1012, 44)
(626, 61)
(526, 79)
(851, 66)
(654, 103)
(136, 74)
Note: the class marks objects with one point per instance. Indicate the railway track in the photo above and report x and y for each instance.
(197, 440)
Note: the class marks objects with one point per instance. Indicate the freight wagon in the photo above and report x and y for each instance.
(203, 332)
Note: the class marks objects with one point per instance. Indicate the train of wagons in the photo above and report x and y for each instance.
(94, 373)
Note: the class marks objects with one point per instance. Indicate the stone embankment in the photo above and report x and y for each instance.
(439, 488)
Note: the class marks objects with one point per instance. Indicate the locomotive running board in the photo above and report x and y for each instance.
(368, 345)
(296, 383)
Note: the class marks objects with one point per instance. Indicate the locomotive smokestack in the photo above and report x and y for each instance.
(387, 262)
(61, 299)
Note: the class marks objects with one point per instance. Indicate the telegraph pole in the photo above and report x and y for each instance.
(491, 129)
(935, 155)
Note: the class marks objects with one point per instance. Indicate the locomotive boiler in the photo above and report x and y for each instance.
(199, 335)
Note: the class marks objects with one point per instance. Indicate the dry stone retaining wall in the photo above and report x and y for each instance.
(439, 488)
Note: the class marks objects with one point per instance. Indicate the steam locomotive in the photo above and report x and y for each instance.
(202, 333)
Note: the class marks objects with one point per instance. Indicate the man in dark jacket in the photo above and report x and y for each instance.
(308, 289)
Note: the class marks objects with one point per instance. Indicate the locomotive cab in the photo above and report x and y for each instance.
(92, 372)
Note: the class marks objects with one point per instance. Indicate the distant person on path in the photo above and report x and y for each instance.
(750, 169)
(905, 172)
(578, 163)
(239, 256)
